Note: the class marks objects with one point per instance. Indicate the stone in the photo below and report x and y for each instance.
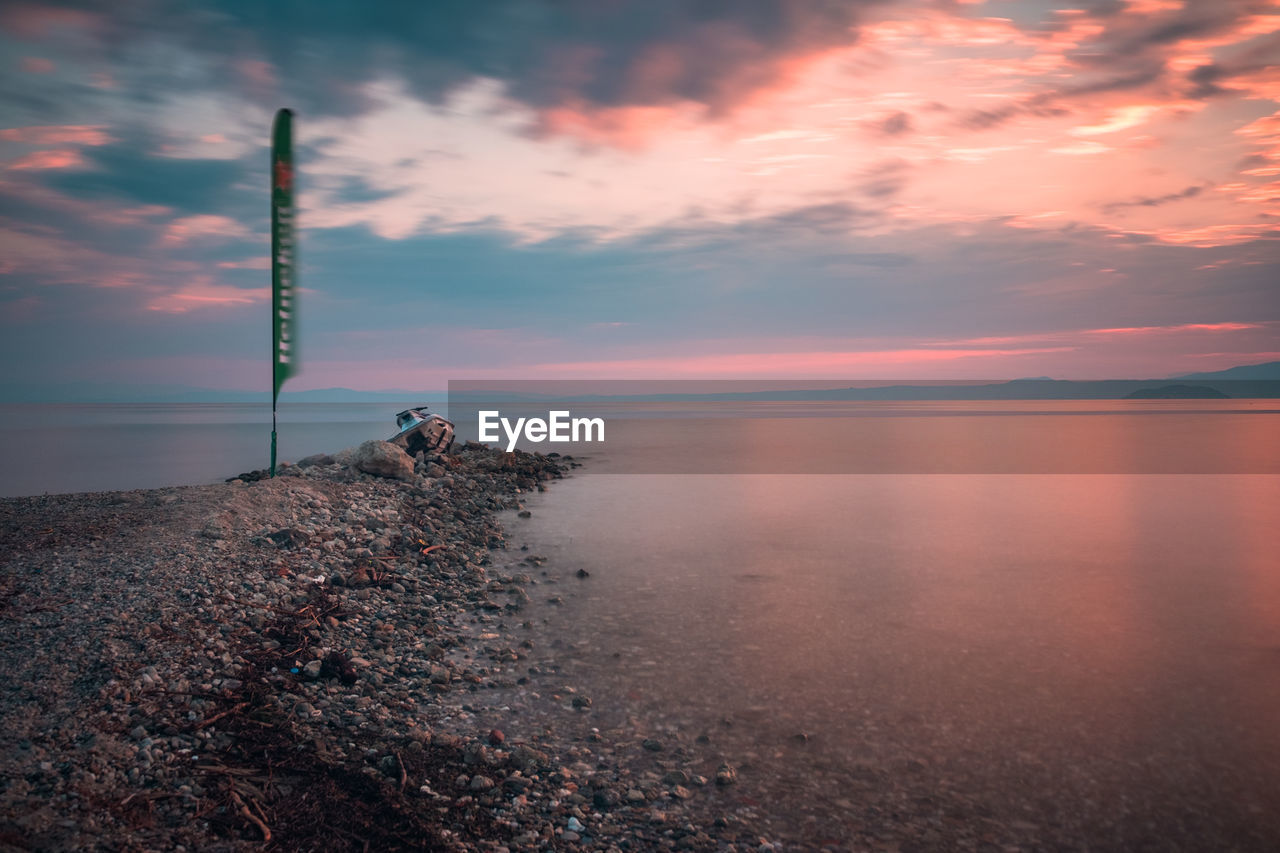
(315, 459)
(726, 775)
(312, 669)
(289, 537)
(606, 798)
(383, 459)
(652, 745)
(480, 783)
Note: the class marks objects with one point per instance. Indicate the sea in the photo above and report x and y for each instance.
(1062, 617)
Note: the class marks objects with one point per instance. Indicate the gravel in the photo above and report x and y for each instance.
(298, 661)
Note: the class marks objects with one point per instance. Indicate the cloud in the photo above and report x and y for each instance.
(203, 227)
(63, 158)
(37, 65)
(588, 57)
(769, 363)
(74, 134)
(895, 125)
(1156, 201)
(204, 294)
(263, 263)
(130, 171)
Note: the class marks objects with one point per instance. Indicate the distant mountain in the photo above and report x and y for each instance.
(1177, 392)
(1269, 370)
(1228, 383)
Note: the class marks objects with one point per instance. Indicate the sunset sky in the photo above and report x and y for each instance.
(619, 189)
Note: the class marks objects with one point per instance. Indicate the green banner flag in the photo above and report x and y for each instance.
(284, 332)
(283, 255)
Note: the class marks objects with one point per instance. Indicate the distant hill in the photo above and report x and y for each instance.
(1177, 392)
(1269, 370)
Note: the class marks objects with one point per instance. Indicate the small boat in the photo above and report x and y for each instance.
(421, 431)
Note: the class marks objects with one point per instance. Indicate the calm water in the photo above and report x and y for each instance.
(94, 447)
(98, 447)
(1087, 658)
(1092, 658)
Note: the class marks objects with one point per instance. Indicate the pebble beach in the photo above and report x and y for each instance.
(300, 663)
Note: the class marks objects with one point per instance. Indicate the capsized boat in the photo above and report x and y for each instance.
(422, 431)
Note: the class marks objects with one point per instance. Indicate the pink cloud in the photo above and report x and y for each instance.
(764, 364)
(247, 264)
(1080, 336)
(204, 293)
(65, 134)
(58, 158)
(102, 213)
(37, 65)
(28, 20)
(202, 227)
(1185, 327)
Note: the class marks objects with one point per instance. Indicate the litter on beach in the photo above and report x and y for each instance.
(422, 432)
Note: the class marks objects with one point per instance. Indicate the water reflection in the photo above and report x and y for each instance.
(1082, 651)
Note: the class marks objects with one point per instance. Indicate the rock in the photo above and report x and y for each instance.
(607, 798)
(652, 745)
(583, 573)
(570, 835)
(726, 775)
(575, 825)
(496, 737)
(383, 459)
(517, 784)
(480, 783)
(312, 669)
(315, 459)
(635, 795)
(289, 537)
(524, 513)
(582, 701)
(675, 777)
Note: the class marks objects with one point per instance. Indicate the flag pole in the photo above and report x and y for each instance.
(284, 355)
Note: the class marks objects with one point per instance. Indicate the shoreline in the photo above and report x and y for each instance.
(465, 697)
(292, 663)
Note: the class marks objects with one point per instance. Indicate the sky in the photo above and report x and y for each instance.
(641, 189)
